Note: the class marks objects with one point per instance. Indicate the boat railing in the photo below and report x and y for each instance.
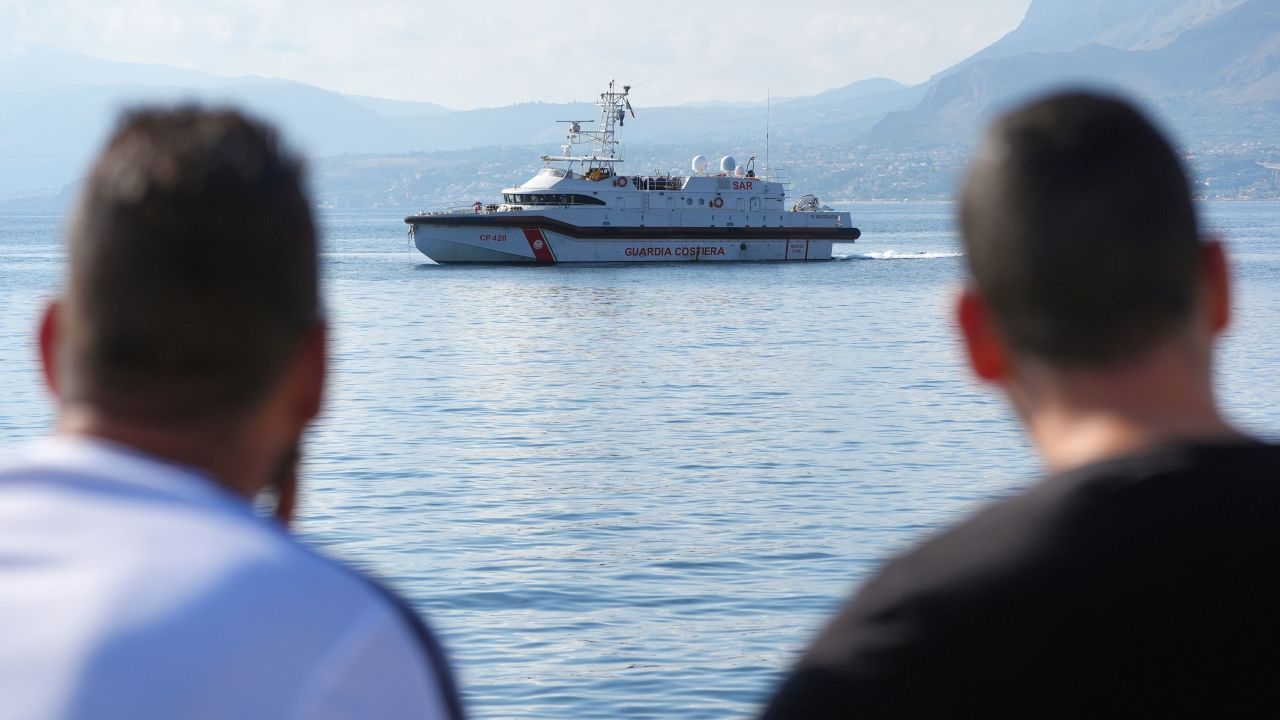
(663, 182)
(473, 209)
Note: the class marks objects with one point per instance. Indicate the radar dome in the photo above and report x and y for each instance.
(740, 172)
(728, 164)
(699, 163)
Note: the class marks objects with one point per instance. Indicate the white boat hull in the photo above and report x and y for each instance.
(536, 242)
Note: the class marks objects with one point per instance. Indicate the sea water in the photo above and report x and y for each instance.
(637, 490)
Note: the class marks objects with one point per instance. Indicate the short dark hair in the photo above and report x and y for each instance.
(193, 269)
(1079, 231)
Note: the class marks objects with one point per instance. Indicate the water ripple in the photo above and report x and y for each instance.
(636, 491)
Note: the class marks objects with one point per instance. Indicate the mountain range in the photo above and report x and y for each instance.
(1210, 69)
(1207, 69)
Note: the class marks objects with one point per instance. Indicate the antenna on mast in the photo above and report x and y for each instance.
(768, 106)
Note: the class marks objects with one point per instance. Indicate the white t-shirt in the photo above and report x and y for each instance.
(135, 588)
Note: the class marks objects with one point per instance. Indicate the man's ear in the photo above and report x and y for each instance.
(308, 376)
(1215, 285)
(48, 341)
(285, 483)
(982, 343)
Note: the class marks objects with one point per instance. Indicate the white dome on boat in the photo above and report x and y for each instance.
(728, 164)
(699, 163)
(740, 172)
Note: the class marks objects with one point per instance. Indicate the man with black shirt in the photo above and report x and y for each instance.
(1141, 573)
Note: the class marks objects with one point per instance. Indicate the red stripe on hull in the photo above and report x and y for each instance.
(539, 245)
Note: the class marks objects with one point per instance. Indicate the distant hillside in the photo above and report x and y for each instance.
(57, 107)
(1052, 26)
(42, 68)
(1209, 68)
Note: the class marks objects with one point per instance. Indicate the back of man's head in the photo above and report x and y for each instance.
(1079, 231)
(193, 270)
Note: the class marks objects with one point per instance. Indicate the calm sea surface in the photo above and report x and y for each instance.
(635, 491)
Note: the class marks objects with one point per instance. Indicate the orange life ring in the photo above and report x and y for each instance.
(717, 202)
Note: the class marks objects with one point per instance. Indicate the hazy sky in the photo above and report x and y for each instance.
(478, 53)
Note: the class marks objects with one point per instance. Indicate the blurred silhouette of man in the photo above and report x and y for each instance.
(1139, 575)
(187, 357)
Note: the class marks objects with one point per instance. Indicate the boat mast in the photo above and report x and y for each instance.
(604, 141)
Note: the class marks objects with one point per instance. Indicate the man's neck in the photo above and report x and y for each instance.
(217, 452)
(1080, 417)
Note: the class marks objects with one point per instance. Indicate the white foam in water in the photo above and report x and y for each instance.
(898, 255)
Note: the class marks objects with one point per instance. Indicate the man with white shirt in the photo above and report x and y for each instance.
(187, 356)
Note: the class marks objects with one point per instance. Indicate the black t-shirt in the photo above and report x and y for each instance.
(1147, 584)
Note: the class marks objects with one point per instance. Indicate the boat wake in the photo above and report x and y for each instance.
(898, 255)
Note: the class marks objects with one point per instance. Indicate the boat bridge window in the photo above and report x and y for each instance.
(550, 199)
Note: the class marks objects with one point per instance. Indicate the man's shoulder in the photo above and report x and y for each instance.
(1089, 515)
(136, 514)
(131, 520)
(1135, 565)
(151, 560)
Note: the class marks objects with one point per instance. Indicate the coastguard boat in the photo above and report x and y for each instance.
(580, 208)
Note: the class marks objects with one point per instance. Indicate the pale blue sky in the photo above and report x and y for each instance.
(474, 54)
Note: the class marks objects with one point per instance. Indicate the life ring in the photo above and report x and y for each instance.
(478, 206)
(716, 202)
(620, 181)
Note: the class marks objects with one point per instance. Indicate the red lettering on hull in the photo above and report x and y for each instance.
(682, 251)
